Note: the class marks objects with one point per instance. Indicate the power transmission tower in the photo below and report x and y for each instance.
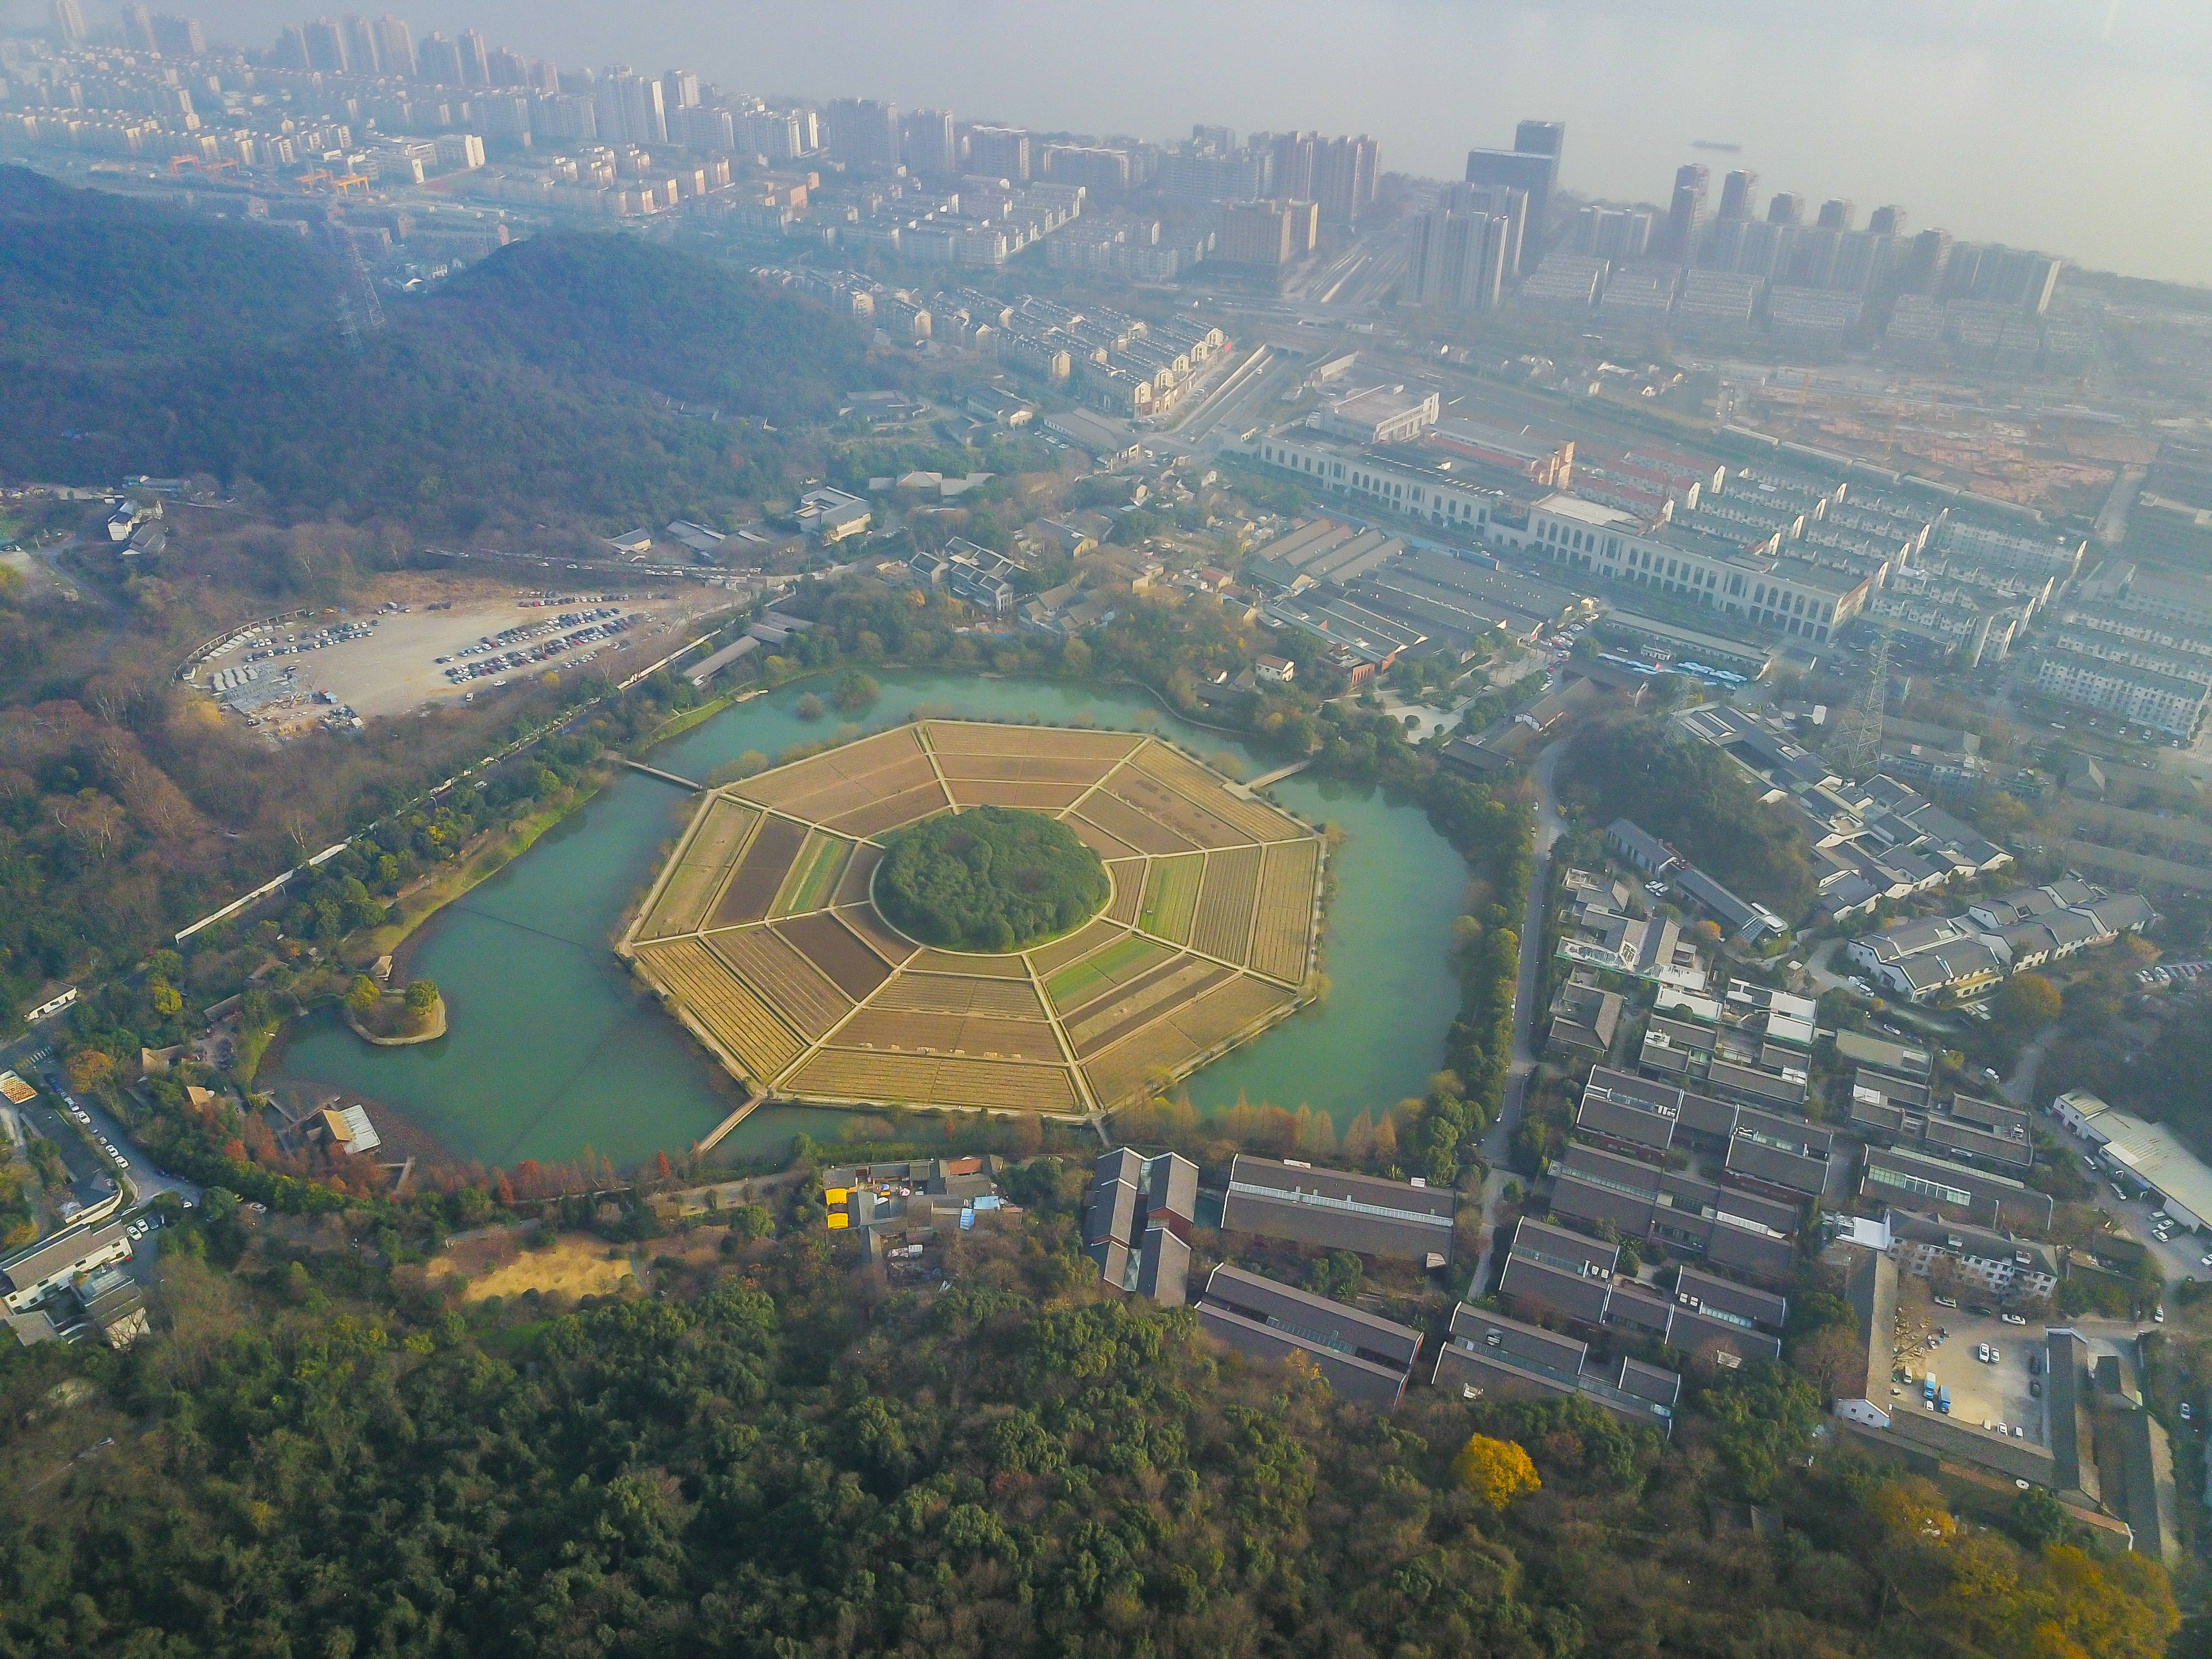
(1856, 747)
(361, 313)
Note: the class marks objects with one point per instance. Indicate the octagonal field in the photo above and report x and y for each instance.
(763, 936)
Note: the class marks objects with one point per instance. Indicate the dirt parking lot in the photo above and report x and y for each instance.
(393, 667)
(1982, 1393)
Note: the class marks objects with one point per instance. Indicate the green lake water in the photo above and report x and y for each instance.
(554, 1047)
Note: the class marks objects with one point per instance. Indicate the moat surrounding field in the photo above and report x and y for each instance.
(554, 1047)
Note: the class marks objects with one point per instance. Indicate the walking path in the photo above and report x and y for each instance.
(1498, 1143)
(665, 777)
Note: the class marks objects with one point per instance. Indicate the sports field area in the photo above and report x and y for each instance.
(763, 936)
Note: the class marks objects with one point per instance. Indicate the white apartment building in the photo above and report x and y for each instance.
(1377, 415)
(2164, 702)
(1387, 485)
(1754, 582)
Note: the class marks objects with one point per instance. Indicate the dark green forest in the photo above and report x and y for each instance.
(990, 879)
(771, 1455)
(526, 389)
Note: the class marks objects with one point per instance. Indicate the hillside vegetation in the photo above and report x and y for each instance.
(527, 388)
(767, 1458)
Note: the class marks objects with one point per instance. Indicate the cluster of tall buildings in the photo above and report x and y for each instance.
(1487, 233)
(1794, 243)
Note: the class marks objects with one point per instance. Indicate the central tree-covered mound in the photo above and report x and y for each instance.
(991, 879)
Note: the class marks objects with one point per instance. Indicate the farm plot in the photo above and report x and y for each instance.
(1127, 876)
(739, 1021)
(763, 933)
(820, 862)
(995, 792)
(1084, 981)
(1257, 820)
(759, 873)
(946, 994)
(962, 737)
(951, 1034)
(1186, 817)
(1023, 769)
(1171, 897)
(1049, 959)
(893, 812)
(1127, 1009)
(1120, 819)
(713, 847)
(863, 1075)
(893, 947)
(1282, 935)
(1158, 1054)
(774, 968)
(838, 951)
(1224, 927)
(928, 961)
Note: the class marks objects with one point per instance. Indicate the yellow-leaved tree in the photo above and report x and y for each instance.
(1496, 1471)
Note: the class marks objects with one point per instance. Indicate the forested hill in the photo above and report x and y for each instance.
(771, 1458)
(600, 307)
(133, 339)
(86, 277)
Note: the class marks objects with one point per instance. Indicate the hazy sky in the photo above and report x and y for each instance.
(2081, 126)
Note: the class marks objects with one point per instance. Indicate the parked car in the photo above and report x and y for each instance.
(2185, 1413)
(2012, 1319)
(1947, 1300)
(2035, 1388)
(2158, 1316)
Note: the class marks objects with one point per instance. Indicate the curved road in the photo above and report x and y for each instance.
(1498, 1143)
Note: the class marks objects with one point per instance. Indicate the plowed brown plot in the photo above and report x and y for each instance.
(1118, 818)
(837, 950)
(842, 795)
(958, 738)
(1226, 901)
(1037, 797)
(1128, 877)
(1257, 820)
(893, 947)
(928, 961)
(1106, 846)
(759, 873)
(836, 1005)
(1023, 769)
(1282, 937)
(1187, 818)
(894, 811)
(853, 889)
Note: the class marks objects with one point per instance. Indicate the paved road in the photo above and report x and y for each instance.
(1498, 1143)
(147, 1180)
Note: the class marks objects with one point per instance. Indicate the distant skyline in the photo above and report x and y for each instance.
(2082, 127)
